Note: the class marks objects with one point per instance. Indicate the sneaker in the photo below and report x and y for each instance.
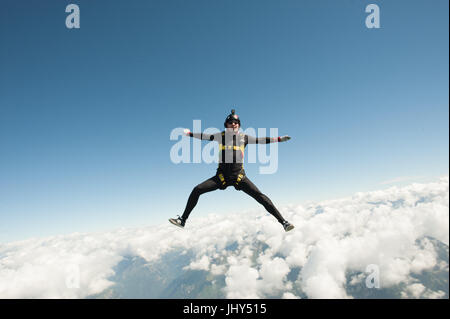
(177, 221)
(287, 226)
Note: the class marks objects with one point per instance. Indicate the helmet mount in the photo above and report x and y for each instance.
(232, 118)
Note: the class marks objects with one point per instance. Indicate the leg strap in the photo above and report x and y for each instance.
(239, 178)
(222, 179)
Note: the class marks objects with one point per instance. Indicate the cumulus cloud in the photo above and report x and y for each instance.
(418, 290)
(388, 228)
(289, 295)
(201, 264)
(242, 282)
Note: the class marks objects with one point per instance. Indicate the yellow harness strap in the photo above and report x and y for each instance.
(222, 179)
(231, 147)
(239, 178)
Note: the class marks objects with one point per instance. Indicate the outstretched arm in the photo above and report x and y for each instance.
(265, 140)
(201, 136)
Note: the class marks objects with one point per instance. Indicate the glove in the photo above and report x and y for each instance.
(284, 138)
(187, 132)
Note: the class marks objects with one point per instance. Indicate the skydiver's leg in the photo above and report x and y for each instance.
(209, 185)
(249, 188)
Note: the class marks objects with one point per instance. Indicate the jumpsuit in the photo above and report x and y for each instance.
(230, 171)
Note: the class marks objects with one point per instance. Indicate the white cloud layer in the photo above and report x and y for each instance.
(386, 228)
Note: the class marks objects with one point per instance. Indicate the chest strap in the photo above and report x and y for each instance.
(229, 147)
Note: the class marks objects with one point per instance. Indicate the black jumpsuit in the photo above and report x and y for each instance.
(231, 170)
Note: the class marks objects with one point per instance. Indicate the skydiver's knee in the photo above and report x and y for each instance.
(197, 190)
(266, 200)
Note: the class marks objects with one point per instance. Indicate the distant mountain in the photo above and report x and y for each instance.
(166, 278)
(135, 278)
(433, 280)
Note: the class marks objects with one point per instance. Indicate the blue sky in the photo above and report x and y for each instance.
(86, 114)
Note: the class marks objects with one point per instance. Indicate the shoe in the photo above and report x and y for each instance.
(287, 226)
(177, 221)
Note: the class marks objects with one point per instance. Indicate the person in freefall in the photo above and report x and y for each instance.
(230, 171)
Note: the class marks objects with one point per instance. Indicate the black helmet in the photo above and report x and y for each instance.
(232, 118)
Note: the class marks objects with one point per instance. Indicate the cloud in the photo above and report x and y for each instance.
(418, 290)
(273, 274)
(201, 264)
(390, 228)
(288, 295)
(242, 282)
(402, 179)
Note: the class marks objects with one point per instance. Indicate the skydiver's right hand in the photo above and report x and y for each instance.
(285, 138)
